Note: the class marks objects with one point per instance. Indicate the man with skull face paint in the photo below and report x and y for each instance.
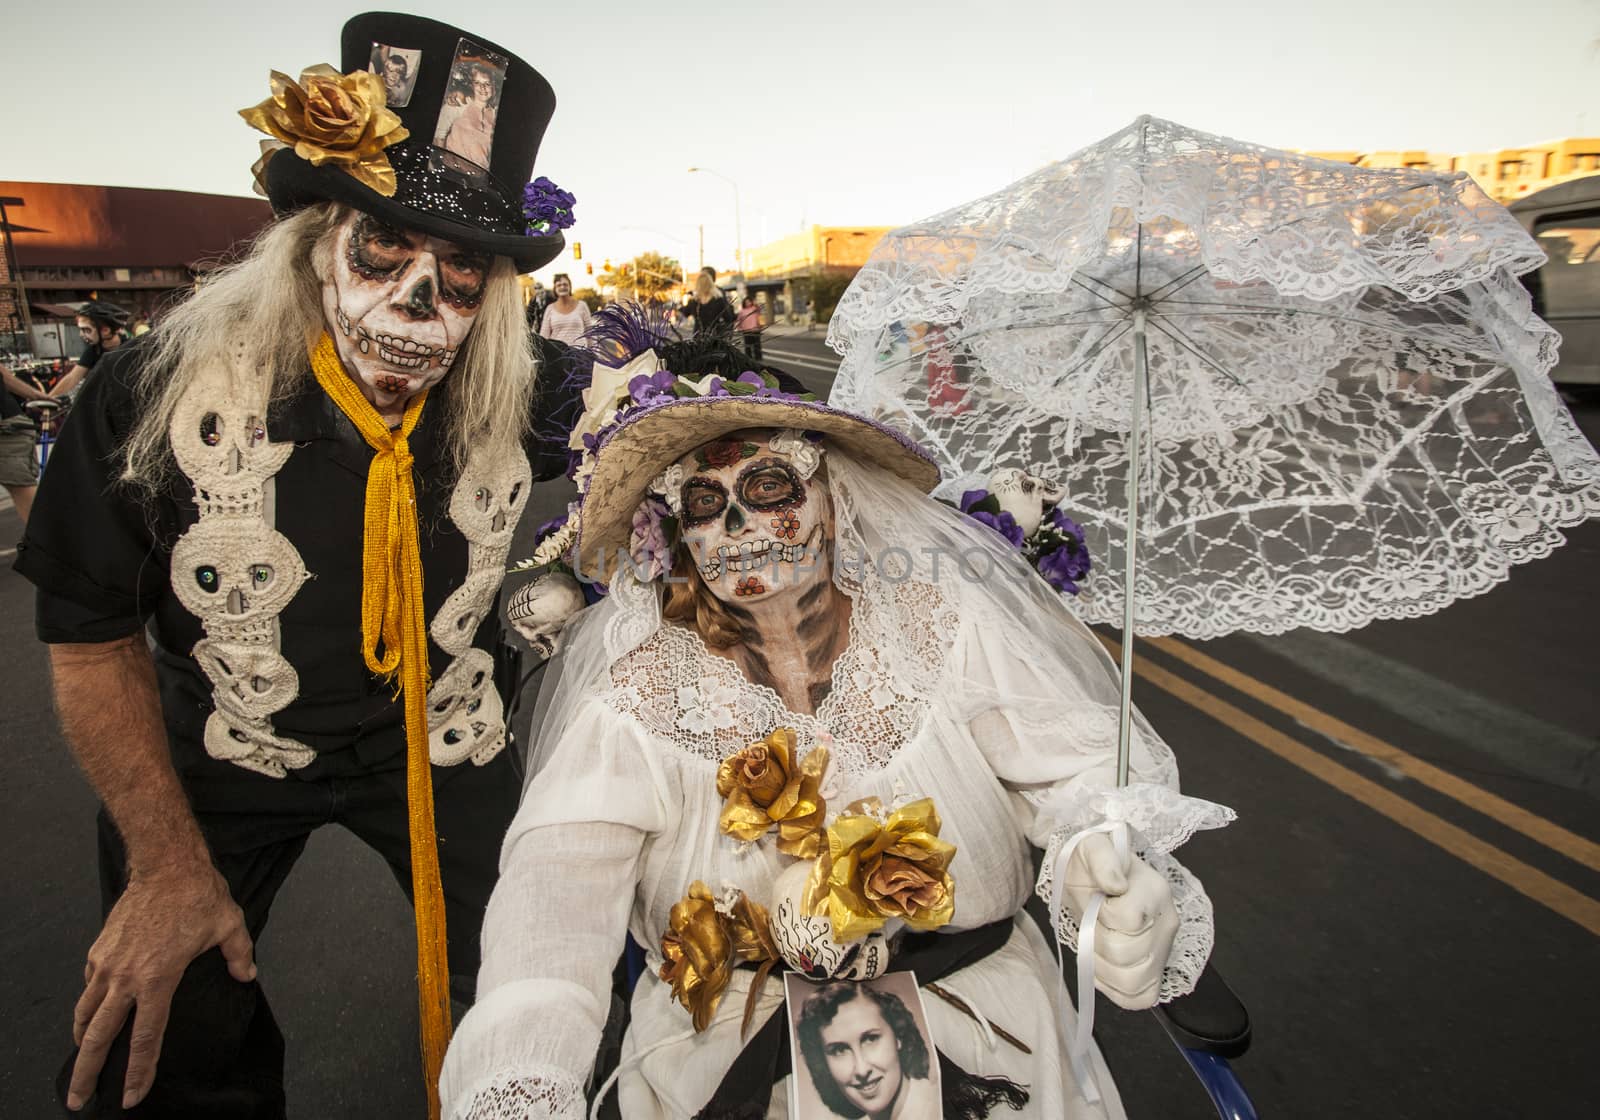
(269, 556)
(830, 643)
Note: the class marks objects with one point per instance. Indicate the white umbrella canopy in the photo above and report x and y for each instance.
(1345, 410)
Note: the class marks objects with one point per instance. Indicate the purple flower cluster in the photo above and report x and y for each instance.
(1063, 557)
(653, 388)
(649, 543)
(546, 206)
(982, 508)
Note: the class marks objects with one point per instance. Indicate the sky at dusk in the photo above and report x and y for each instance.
(875, 112)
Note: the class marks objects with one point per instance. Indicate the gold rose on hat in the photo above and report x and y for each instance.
(329, 117)
(876, 867)
(764, 788)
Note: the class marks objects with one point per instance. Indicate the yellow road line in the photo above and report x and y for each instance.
(1553, 836)
(1520, 877)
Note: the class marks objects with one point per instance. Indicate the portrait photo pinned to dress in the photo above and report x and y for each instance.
(397, 66)
(471, 105)
(860, 1049)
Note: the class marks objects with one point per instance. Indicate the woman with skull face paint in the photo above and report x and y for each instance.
(827, 624)
(354, 401)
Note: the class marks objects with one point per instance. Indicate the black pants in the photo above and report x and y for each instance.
(222, 1056)
(752, 344)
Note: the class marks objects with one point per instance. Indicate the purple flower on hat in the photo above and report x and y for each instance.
(971, 498)
(546, 206)
(648, 545)
(652, 388)
(550, 526)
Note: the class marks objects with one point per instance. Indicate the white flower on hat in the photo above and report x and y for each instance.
(608, 388)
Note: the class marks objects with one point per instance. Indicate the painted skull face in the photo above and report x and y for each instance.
(755, 519)
(808, 944)
(399, 304)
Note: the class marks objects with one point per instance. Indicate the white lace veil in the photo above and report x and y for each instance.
(921, 574)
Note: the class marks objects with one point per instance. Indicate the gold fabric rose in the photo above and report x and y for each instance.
(705, 936)
(875, 868)
(763, 787)
(329, 117)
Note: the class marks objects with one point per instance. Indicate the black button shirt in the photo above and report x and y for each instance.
(99, 550)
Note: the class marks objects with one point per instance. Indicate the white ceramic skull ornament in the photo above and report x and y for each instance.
(808, 945)
(542, 607)
(1025, 497)
(399, 305)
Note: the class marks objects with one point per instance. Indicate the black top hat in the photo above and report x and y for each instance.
(475, 112)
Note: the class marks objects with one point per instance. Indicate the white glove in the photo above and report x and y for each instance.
(1136, 924)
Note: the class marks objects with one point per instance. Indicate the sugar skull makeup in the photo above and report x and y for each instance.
(399, 304)
(754, 518)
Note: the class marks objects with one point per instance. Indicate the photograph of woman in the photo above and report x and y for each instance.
(466, 124)
(864, 1053)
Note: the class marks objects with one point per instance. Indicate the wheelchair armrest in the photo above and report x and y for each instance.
(1210, 1018)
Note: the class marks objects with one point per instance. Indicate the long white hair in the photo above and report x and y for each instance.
(268, 306)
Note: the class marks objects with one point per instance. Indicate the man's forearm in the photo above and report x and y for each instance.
(110, 710)
(69, 382)
(20, 388)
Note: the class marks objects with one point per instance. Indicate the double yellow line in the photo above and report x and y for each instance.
(1519, 876)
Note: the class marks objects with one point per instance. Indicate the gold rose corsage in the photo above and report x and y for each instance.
(876, 867)
(764, 788)
(329, 117)
(705, 937)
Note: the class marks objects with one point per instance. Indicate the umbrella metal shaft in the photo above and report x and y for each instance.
(1135, 439)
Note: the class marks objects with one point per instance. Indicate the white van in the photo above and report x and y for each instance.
(1565, 219)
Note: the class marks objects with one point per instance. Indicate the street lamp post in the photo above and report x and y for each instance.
(738, 236)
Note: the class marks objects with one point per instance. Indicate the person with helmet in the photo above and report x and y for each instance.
(101, 326)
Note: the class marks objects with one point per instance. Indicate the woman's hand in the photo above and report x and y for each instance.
(1136, 924)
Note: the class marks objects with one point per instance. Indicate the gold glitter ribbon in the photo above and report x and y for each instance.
(394, 643)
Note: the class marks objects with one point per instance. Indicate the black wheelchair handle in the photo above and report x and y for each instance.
(1210, 1018)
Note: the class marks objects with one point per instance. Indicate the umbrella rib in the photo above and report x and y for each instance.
(1079, 280)
(1262, 310)
(1182, 281)
(1184, 341)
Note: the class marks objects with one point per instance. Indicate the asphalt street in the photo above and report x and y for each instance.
(1409, 903)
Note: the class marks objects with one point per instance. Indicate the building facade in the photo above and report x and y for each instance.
(139, 249)
(1505, 175)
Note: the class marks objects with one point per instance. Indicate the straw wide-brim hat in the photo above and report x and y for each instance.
(648, 442)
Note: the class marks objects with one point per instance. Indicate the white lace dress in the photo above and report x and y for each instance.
(623, 817)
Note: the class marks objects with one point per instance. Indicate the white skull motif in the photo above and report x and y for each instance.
(486, 507)
(465, 718)
(252, 679)
(807, 944)
(459, 617)
(399, 304)
(252, 744)
(234, 574)
(1025, 497)
(753, 517)
(542, 607)
(221, 444)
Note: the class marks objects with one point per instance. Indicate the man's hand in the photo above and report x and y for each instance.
(163, 921)
(1137, 921)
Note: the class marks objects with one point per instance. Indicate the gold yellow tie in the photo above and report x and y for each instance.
(394, 640)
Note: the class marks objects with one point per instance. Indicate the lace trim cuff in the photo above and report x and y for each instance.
(526, 1093)
(1159, 820)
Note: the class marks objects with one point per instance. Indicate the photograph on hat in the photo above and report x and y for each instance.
(471, 104)
(397, 66)
(860, 1049)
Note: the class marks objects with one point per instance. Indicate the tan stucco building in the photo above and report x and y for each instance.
(1505, 175)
